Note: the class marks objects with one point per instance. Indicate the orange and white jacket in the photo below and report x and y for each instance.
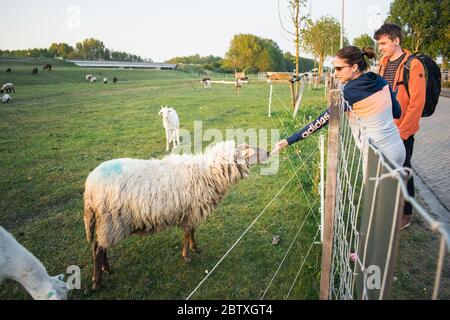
(412, 104)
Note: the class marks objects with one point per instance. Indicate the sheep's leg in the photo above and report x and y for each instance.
(185, 253)
(98, 272)
(167, 140)
(192, 243)
(105, 263)
(177, 132)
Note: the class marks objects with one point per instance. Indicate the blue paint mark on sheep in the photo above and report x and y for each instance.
(111, 168)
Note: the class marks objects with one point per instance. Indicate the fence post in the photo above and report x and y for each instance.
(330, 194)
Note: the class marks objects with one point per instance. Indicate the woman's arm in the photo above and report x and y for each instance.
(315, 125)
(305, 132)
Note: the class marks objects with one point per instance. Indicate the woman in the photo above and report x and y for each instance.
(366, 95)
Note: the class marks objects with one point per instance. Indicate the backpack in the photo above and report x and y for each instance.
(432, 78)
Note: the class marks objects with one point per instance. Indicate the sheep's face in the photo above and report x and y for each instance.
(253, 155)
(164, 112)
(59, 288)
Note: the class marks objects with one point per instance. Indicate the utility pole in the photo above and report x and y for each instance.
(342, 24)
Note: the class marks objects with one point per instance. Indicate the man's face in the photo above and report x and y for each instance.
(387, 46)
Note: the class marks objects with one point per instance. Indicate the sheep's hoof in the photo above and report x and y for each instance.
(196, 250)
(96, 286)
(107, 270)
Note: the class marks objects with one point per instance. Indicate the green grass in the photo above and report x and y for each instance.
(59, 128)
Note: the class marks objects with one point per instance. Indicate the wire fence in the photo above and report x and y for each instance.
(365, 197)
(299, 260)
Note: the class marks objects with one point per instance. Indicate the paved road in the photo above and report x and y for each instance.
(431, 156)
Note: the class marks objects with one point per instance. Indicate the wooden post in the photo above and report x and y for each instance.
(291, 85)
(330, 194)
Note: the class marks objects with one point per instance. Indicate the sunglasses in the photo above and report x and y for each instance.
(339, 68)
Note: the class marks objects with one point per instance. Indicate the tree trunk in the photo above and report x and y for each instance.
(321, 60)
(297, 45)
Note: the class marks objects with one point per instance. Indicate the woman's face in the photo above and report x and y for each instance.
(343, 71)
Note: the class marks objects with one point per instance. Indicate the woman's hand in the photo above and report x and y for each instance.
(279, 146)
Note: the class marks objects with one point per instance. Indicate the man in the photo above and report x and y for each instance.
(389, 39)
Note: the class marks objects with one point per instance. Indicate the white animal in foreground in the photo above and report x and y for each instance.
(17, 263)
(105, 80)
(7, 87)
(6, 98)
(132, 196)
(93, 79)
(171, 124)
(88, 77)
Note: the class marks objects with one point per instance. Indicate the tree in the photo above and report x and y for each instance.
(425, 24)
(297, 20)
(253, 54)
(93, 48)
(364, 40)
(322, 38)
(60, 50)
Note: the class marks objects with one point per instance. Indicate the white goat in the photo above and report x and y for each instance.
(88, 77)
(93, 79)
(17, 263)
(133, 196)
(105, 80)
(6, 98)
(171, 124)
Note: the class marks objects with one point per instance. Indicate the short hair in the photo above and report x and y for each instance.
(389, 29)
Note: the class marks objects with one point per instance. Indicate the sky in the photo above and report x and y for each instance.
(162, 29)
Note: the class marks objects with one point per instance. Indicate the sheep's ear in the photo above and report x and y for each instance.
(247, 153)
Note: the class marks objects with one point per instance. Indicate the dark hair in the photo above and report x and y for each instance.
(389, 29)
(354, 55)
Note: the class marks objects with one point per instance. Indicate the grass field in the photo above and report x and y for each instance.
(59, 128)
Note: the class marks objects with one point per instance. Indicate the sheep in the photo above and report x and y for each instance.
(239, 77)
(6, 98)
(206, 82)
(105, 80)
(93, 79)
(17, 263)
(115, 79)
(48, 67)
(8, 70)
(171, 124)
(132, 196)
(7, 87)
(88, 77)
(35, 71)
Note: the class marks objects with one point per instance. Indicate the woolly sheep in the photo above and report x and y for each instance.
(88, 77)
(8, 87)
(105, 80)
(93, 79)
(129, 196)
(6, 98)
(115, 79)
(8, 70)
(35, 71)
(48, 67)
(17, 263)
(171, 124)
